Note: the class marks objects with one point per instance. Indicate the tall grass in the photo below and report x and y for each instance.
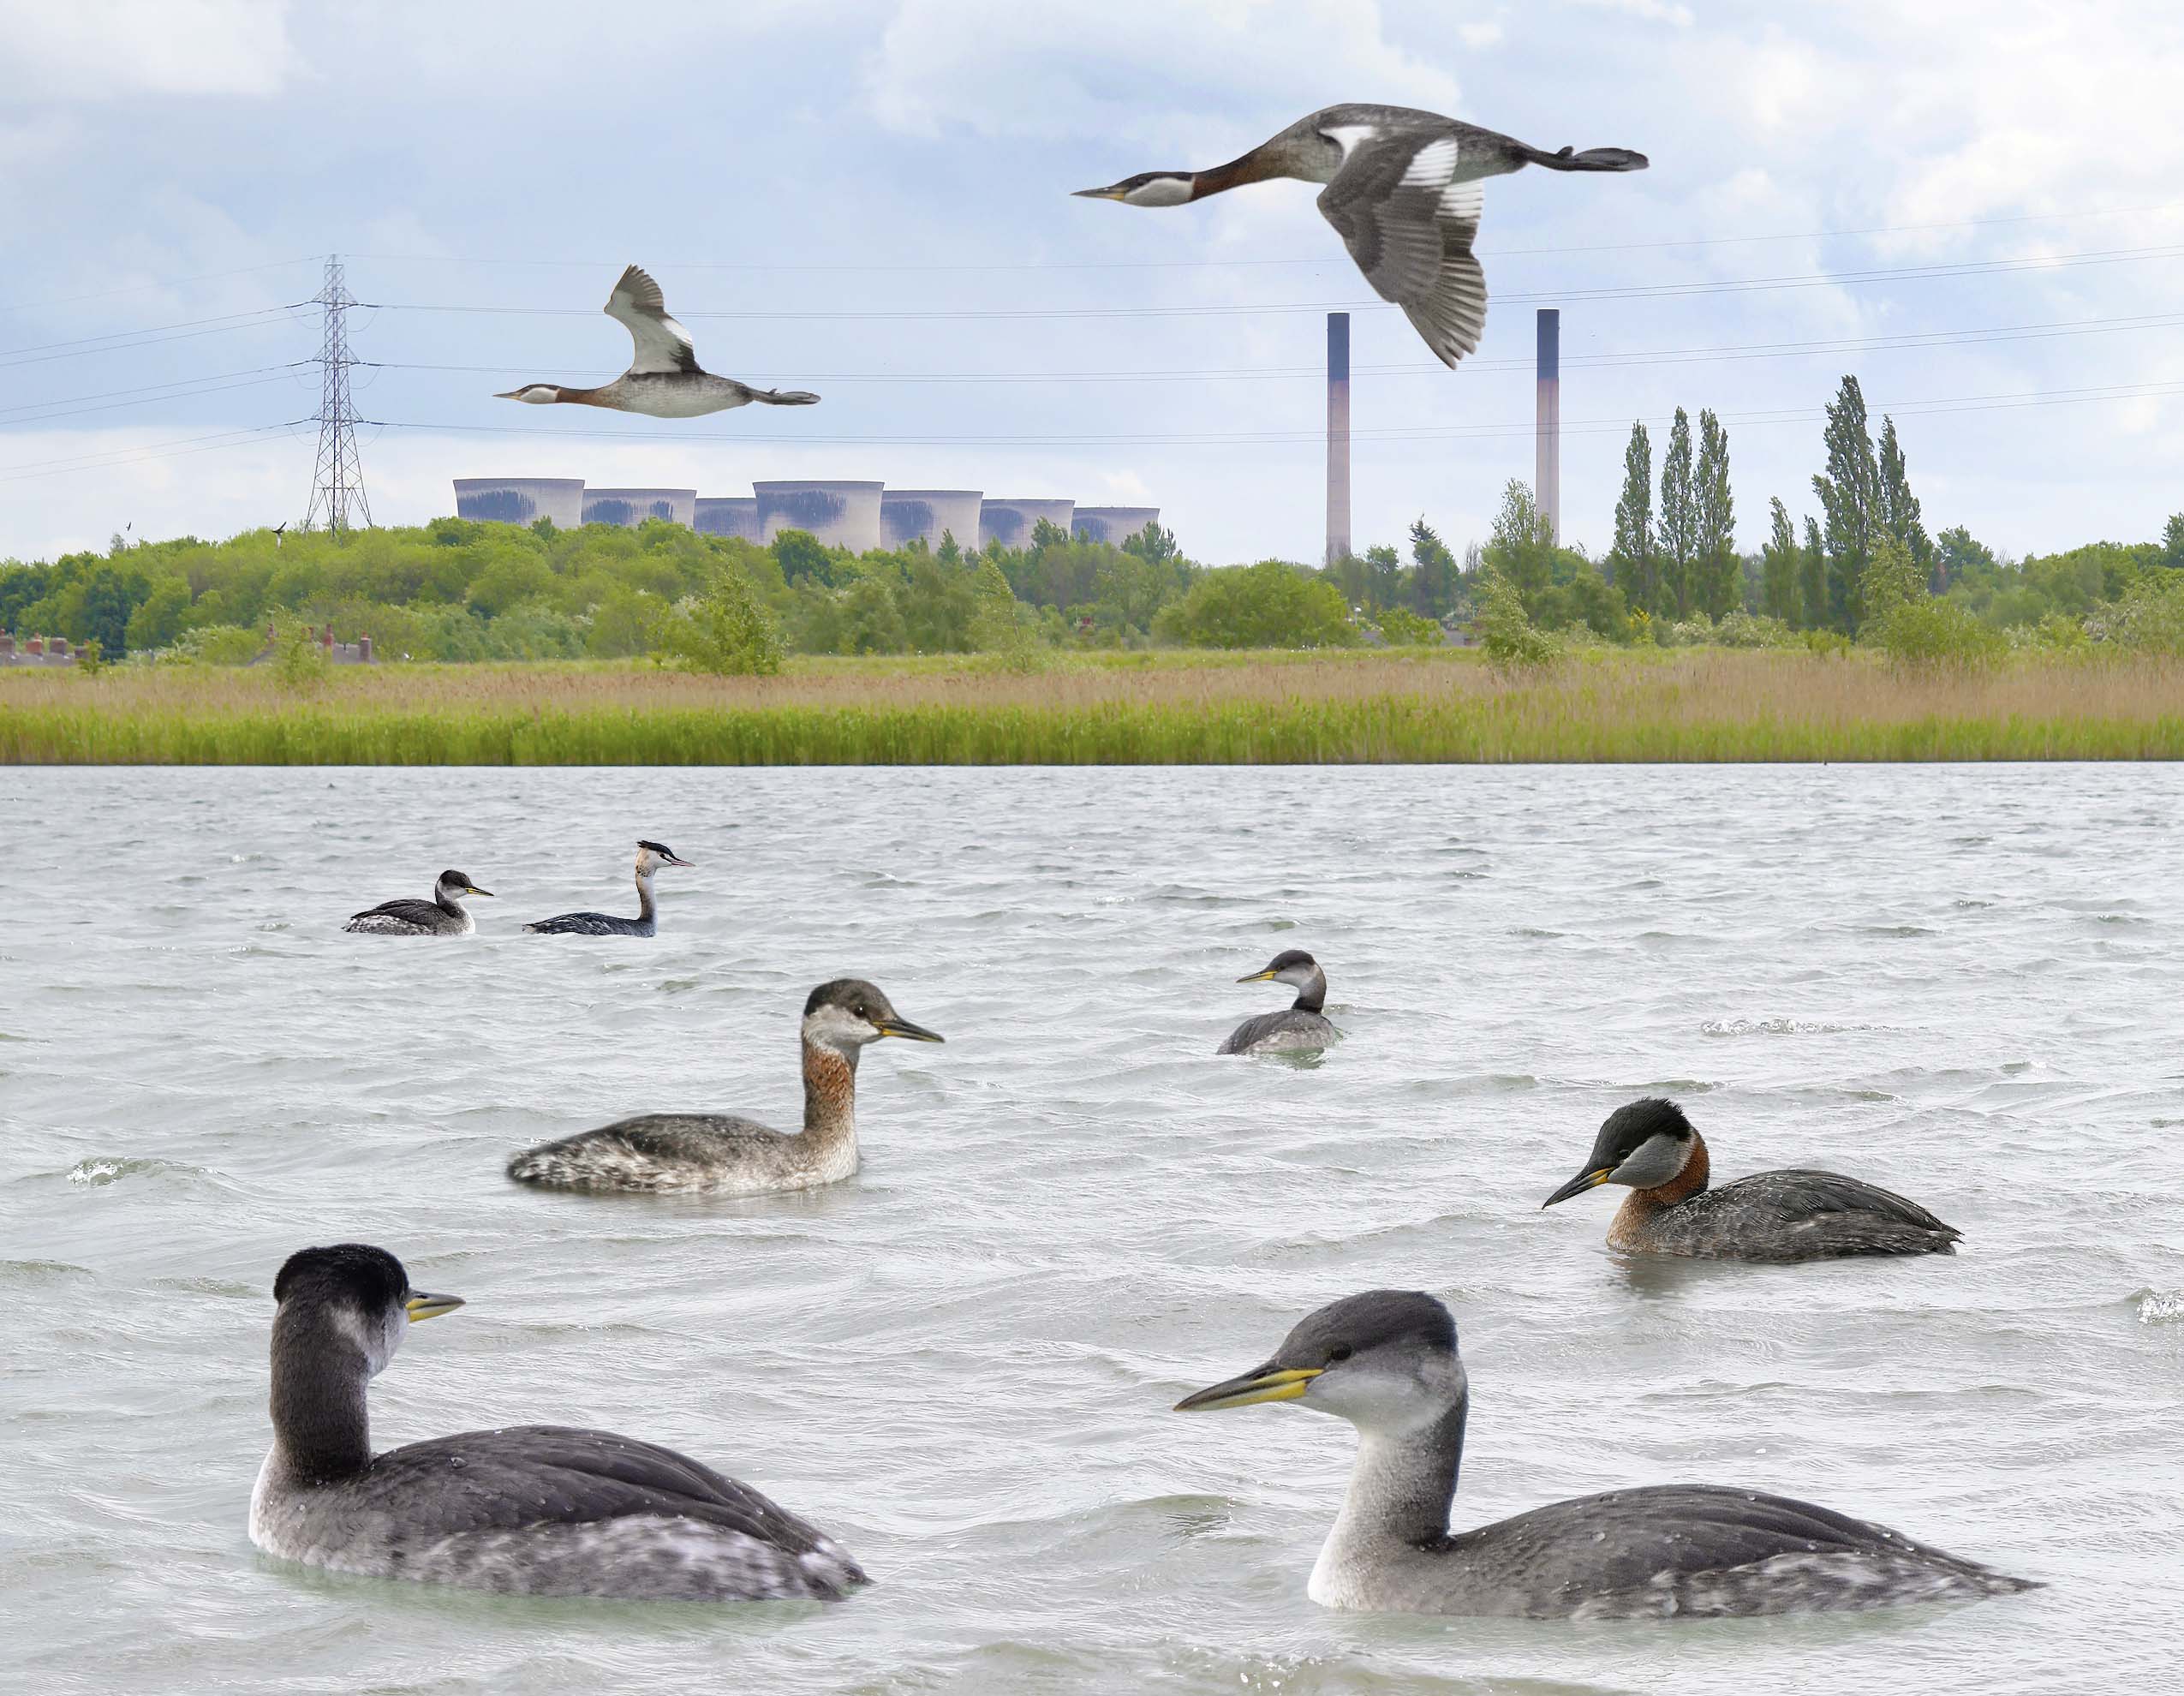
(1690, 705)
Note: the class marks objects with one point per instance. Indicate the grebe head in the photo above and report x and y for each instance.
(537, 394)
(1385, 1360)
(652, 855)
(361, 1290)
(455, 883)
(1643, 1144)
(1291, 966)
(848, 1013)
(1148, 189)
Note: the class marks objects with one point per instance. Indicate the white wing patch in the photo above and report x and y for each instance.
(1462, 202)
(1349, 137)
(1432, 165)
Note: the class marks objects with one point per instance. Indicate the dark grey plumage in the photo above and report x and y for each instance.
(535, 1510)
(658, 1152)
(1387, 1361)
(1300, 1027)
(1650, 1147)
(651, 857)
(442, 916)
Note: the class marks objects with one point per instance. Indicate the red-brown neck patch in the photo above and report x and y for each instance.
(830, 1090)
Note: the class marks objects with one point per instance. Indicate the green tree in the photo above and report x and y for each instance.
(1273, 603)
(1893, 579)
(1520, 551)
(801, 554)
(1679, 524)
(1383, 575)
(1812, 579)
(1633, 558)
(1001, 625)
(727, 631)
(949, 553)
(2172, 542)
(1778, 568)
(1899, 509)
(1433, 582)
(1719, 573)
(1508, 636)
(1154, 545)
(1957, 555)
(1850, 502)
(158, 619)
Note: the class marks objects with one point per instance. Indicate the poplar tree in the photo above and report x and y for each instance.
(1899, 514)
(1850, 500)
(1778, 566)
(1720, 574)
(1812, 579)
(1633, 557)
(1679, 530)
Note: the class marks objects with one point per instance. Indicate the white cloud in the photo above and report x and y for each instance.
(111, 50)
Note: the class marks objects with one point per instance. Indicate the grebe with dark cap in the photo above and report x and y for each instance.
(1387, 1361)
(1403, 191)
(1652, 1150)
(1300, 1025)
(651, 856)
(527, 1510)
(665, 380)
(657, 1153)
(442, 916)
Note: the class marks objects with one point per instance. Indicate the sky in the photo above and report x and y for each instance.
(1973, 207)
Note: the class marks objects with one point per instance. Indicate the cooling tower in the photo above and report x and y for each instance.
(841, 514)
(522, 501)
(922, 515)
(1546, 489)
(728, 516)
(632, 507)
(1115, 524)
(1010, 522)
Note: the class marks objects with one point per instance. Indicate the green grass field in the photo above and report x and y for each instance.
(1159, 708)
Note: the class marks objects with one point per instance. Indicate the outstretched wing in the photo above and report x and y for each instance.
(662, 345)
(1408, 209)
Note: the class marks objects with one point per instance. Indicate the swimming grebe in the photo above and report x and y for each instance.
(1792, 1215)
(1387, 1361)
(1300, 1025)
(527, 1510)
(442, 916)
(651, 856)
(1402, 188)
(665, 380)
(657, 1153)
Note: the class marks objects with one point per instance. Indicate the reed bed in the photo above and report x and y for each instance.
(1157, 709)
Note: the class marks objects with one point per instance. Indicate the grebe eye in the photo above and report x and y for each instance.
(1339, 1352)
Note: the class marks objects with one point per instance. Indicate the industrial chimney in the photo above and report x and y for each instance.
(1547, 488)
(1338, 436)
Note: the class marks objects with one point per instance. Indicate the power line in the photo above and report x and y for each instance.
(157, 283)
(1323, 259)
(177, 391)
(1905, 341)
(1631, 291)
(70, 350)
(1426, 432)
(113, 457)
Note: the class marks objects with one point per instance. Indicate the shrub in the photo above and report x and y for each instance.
(1404, 628)
(1753, 630)
(726, 632)
(2148, 619)
(1928, 632)
(1508, 636)
(299, 663)
(998, 626)
(1270, 605)
(1695, 631)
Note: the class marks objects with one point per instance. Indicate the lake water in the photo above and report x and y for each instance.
(1961, 983)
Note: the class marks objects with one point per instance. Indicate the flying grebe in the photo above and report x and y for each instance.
(1387, 1361)
(1300, 1025)
(665, 380)
(651, 856)
(528, 1510)
(442, 916)
(657, 1153)
(1649, 1147)
(1402, 189)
